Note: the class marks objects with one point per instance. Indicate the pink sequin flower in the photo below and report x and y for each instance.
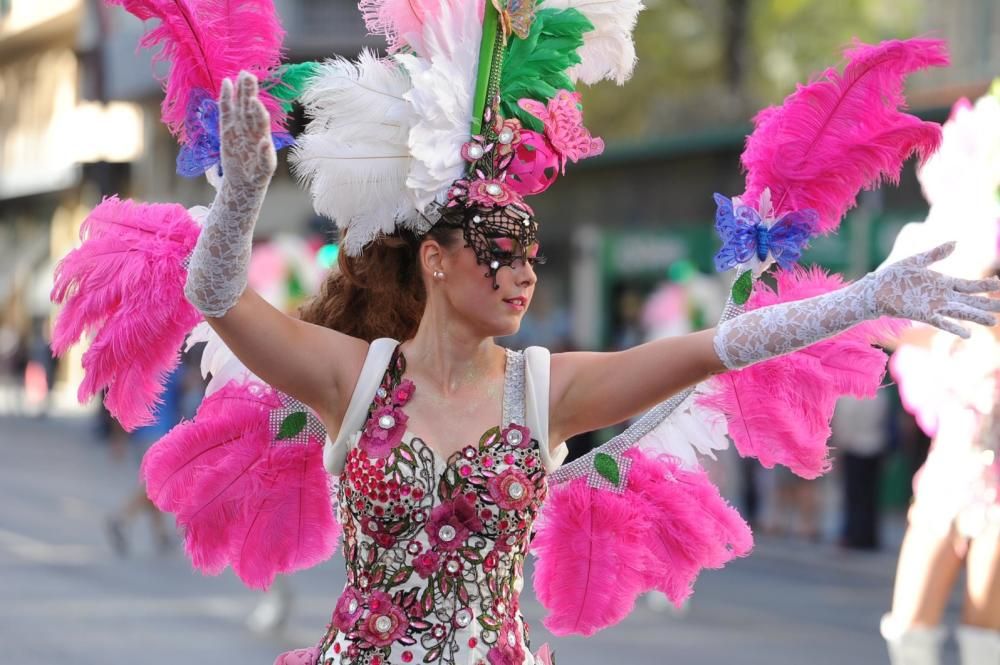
(427, 564)
(348, 609)
(383, 431)
(564, 128)
(508, 649)
(516, 435)
(508, 135)
(452, 522)
(403, 392)
(491, 193)
(511, 489)
(386, 622)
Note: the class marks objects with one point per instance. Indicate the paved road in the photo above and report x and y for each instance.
(66, 599)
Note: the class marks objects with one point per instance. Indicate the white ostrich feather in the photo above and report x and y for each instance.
(688, 432)
(608, 51)
(217, 360)
(353, 153)
(441, 97)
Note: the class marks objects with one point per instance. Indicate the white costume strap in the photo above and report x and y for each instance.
(379, 354)
(536, 389)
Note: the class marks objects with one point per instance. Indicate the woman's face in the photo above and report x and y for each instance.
(468, 285)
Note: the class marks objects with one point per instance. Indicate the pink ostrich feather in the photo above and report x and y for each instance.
(590, 557)
(125, 283)
(842, 133)
(668, 525)
(206, 41)
(691, 526)
(289, 523)
(779, 410)
(402, 21)
(241, 497)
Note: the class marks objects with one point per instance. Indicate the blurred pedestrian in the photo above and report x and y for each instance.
(167, 414)
(860, 435)
(954, 521)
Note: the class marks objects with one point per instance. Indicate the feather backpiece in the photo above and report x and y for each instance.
(206, 41)
(245, 478)
(779, 410)
(608, 51)
(353, 154)
(841, 133)
(668, 525)
(442, 96)
(125, 284)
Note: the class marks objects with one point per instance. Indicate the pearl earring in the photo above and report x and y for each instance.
(438, 274)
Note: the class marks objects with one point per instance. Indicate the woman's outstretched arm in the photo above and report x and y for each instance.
(594, 390)
(311, 363)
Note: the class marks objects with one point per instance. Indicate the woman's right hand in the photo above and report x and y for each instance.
(248, 157)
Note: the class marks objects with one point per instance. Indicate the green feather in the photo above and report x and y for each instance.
(288, 82)
(536, 67)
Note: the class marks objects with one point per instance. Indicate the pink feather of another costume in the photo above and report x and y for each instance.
(241, 497)
(206, 41)
(126, 283)
(598, 550)
(842, 133)
(779, 410)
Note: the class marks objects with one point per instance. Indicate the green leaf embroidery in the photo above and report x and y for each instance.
(608, 468)
(292, 424)
(742, 287)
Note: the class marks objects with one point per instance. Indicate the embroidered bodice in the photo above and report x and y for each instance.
(435, 547)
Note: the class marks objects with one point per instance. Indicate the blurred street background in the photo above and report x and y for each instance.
(630, 242)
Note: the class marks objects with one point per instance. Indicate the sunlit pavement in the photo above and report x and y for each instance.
(65, 598)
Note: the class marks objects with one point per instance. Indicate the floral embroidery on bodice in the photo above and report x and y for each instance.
(435, 547)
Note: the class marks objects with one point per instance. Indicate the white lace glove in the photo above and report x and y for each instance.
(906, 289)
(219, 265)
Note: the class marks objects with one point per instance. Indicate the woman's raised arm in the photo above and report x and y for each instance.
(593, 390)
(313, 364)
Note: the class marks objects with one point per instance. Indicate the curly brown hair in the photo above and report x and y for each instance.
(380, 293)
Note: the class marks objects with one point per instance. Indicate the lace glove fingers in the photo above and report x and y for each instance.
(934, 255)
(248, 156)
(979, 286)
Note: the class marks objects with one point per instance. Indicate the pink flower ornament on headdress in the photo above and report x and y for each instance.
(563, 121)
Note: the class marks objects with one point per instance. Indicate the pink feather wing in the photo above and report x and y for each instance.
(289, 524)
(206, 41)
(665, 528)
(842, 133)
(586, 533)
(779, 410)
(241, 497)
(125, 283)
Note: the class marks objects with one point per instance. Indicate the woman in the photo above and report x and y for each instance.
(954, 522)
(455, 383)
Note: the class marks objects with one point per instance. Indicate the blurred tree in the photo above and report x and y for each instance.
(706, 63)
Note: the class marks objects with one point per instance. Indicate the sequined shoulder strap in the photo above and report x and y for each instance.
(379, 354)
(536, 398)
(513, 389)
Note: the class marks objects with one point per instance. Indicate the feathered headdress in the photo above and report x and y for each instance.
(474, 110)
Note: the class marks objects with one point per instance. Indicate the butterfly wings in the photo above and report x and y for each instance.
(746, 236)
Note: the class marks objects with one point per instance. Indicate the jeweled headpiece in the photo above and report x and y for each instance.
(474, 110)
